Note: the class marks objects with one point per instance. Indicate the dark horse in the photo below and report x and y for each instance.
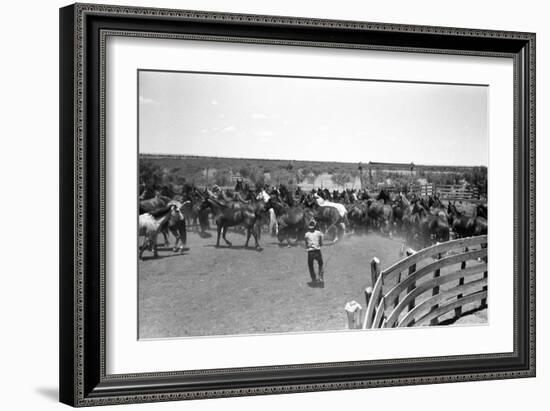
(430, 226)
(384, 196)
(233, 213)
(478, 222)
(400, 211)
(458, 221)
(465, 226)
(481, 211)
(292, 220)
(154, 203)
(357, 216)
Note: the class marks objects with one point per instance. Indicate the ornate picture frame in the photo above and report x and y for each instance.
(84, 29)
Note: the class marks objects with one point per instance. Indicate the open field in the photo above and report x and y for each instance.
(187, 164)
(206, 171)
(220, 291)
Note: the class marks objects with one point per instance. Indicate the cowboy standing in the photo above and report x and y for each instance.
(314, 241)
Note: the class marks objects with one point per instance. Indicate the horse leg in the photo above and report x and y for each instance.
(154, 246)
(248, 232)
(219, 232)
(389, 227)
(284, 235)
(224, 232)
(166, 239)
(328, 230)
(183, 237)
(255, 234)
(174, 232)
(142, 248)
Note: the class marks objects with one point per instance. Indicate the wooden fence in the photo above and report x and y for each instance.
(424, 286)
(447, 192)
(456, 192)
(423, 190)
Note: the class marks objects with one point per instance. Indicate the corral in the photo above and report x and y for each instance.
(209, 291)
(219, 291)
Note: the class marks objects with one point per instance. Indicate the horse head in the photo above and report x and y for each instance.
(309, 201)
(481, 211)
(175, 211)
(419, 209)
(383, 195)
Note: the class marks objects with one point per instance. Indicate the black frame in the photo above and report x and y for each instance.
(83, 381)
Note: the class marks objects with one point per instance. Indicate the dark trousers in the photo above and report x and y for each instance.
(312, 256)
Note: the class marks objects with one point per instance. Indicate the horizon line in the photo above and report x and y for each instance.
(365, 163)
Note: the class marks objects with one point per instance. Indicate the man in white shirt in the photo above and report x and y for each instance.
(314, 242)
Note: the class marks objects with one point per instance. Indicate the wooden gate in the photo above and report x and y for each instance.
(447, 192)
(423, 190)
(425, 285)
(458, 192)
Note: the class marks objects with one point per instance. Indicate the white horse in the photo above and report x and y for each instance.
(151, 223)
(273, 225)
(325, 203)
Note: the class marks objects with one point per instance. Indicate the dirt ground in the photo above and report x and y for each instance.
(221, 291)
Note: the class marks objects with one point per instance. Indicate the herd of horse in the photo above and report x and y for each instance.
(285, 213)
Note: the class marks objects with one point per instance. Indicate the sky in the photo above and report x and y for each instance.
(291, 118)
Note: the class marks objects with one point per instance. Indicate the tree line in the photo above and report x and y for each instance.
(158, 172)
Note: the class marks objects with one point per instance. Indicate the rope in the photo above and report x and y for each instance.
(325, 265)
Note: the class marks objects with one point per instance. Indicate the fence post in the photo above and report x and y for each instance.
(435, 291)
(412, 270)
(368, 295)
(374, 274)
(458, 310)
(374, 270)
(484, 300)
(353, 311)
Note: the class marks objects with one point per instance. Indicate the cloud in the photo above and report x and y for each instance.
(146, 100)
(265, 133)
(214, 102)
(229, 129)
(259, 116)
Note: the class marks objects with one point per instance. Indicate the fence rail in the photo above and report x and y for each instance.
(423, 190)
(458, 192)
(447, 192)
(419, 289)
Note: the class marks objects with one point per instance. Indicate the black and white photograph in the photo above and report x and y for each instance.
(283, 199)
(276, 204)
